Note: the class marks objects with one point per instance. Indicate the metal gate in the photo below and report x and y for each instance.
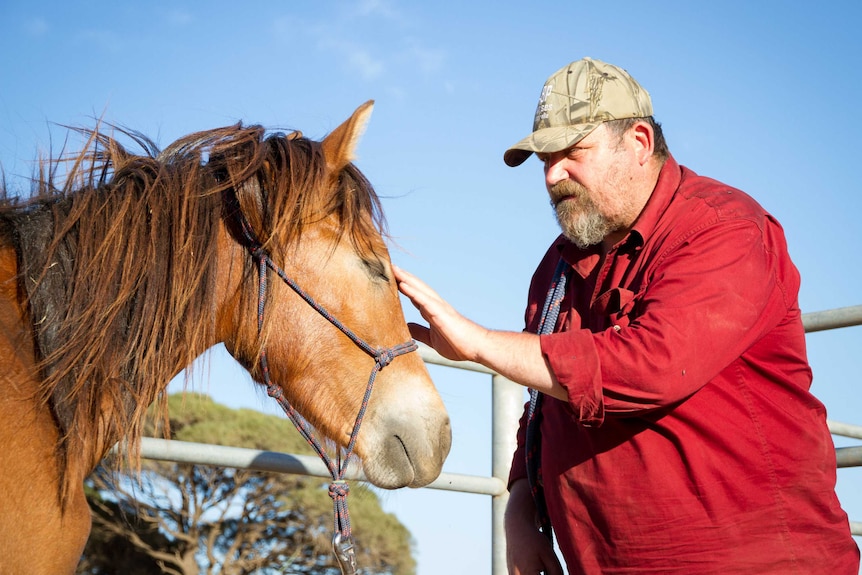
(508, 402)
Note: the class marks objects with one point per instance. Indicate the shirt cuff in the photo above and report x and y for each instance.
(574, 363)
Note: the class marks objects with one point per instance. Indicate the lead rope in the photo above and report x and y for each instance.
(342, 539)
(533, 448)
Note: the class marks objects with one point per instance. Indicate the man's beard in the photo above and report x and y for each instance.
(579, 217)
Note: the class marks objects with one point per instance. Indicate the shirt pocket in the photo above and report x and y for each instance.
(618, 305)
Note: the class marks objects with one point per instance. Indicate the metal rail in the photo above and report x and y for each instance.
(835, 319)
(261, 460)
(832, 318)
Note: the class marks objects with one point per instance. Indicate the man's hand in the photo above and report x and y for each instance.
(528, 551)
(453, 336)
(514, 355)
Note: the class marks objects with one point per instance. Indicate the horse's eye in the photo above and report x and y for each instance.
(376, 269)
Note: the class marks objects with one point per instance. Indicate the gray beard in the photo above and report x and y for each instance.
(584, 229)
(578, 216)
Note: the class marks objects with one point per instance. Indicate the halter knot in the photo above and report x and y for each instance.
(257, 252)
(339, 490)
(384, 357)
(274, 391)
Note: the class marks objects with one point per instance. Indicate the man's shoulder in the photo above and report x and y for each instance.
(712, 198)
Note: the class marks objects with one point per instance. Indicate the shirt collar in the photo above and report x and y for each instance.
(668, 181)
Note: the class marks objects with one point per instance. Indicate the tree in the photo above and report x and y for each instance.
(186, 519)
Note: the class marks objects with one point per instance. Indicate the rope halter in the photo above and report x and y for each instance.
(342, 540)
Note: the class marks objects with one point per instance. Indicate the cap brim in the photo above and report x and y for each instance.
(547, 140)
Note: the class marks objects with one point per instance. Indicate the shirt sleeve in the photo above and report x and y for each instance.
(707, 299)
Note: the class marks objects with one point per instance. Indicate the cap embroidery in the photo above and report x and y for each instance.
(545, 108)
(597, 83)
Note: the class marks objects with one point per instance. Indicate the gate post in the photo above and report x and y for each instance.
(508, 405)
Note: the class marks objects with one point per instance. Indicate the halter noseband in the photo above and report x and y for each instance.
(342, 541)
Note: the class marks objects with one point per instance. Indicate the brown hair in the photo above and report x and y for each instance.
(620, 127)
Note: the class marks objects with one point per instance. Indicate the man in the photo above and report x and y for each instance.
(677, 433)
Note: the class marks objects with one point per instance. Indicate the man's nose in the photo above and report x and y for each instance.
(555, 169)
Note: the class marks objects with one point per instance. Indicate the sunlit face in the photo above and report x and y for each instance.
(590, 187)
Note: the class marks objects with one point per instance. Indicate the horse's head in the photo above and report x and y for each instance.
(308, 208)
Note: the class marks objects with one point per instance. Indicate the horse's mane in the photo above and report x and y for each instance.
(117, 261)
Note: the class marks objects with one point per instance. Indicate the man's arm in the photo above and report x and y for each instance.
(514, 355)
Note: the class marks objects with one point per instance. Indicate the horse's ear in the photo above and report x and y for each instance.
(339, 145)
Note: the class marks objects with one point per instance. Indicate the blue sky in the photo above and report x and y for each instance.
(761, 95)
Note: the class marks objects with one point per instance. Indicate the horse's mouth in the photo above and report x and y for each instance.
(410, 462)
(404, 447)
(398, 461)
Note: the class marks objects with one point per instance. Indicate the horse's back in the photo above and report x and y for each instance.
(35, 536)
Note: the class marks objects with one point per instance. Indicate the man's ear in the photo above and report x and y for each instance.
(644, 139)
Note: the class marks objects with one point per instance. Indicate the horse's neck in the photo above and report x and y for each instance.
(17, 354)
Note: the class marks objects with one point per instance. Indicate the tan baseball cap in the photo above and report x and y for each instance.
(575, 101)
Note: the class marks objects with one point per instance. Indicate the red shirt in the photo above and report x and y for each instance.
(690, 443)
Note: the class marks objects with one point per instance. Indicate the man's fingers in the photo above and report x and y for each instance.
(401, 276)
(443, 321)
(418, 291)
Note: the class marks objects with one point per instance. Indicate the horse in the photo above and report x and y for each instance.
(121, 268)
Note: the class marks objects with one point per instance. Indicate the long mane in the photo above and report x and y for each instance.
(117, 261)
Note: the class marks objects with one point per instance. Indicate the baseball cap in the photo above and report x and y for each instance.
(576, 100)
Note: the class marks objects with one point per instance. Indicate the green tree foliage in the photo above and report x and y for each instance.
(186, 519)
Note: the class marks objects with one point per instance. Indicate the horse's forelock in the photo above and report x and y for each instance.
(284, 187)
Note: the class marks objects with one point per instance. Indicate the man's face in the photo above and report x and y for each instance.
(588, 186)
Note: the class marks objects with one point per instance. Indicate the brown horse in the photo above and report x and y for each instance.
(115, 280)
